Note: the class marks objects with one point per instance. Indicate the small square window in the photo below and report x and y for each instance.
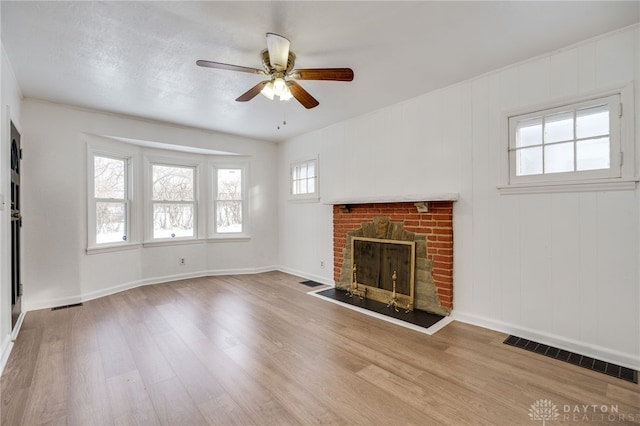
(304, 179)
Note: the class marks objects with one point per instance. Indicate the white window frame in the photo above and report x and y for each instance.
(620, 175)
(310, 196)
(92, 244)
(150, 201)
(213, 194)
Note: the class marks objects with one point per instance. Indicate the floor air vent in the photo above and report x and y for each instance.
(614, 370)
(57, 308)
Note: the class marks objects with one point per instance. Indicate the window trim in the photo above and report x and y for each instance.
(307, 197)
(213, 234)
(92, 244)
(622, 179)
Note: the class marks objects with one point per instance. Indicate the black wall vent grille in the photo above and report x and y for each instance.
(57, 308)
(604, 367)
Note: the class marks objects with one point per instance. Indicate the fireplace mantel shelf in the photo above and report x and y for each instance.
(435, 196)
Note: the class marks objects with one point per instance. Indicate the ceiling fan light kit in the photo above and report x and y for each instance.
(278, 62)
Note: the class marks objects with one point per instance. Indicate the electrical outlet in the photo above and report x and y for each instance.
(322, 264)
(182, 261)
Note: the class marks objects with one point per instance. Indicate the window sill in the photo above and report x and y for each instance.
(305, 199)
(229, 238)
(172, 242)
(580, 186)
(111, 248)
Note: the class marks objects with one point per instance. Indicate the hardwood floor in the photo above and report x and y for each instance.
(257, 350)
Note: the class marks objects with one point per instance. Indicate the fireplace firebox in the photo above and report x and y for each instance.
(384, 269)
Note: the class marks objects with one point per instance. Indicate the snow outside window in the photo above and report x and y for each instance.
(173, 201)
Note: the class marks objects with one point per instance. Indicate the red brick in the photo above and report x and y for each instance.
(443, 279)
(443, 231)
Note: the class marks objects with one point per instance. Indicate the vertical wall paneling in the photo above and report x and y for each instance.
(509, 257)
(586, 68)
(559, 268)
(617, 289)
(563, 68)
(463, 225)
(615, 59)
(588, 248)
(533, 81)
(535, 261)
(565, 264)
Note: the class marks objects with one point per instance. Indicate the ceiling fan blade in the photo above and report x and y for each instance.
(229, 67)
(335, 74)
(253, 92)
(302, 95)
(278, 51)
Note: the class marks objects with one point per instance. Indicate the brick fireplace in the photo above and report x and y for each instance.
(429, 224)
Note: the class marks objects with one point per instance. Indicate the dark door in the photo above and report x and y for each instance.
(16, 224)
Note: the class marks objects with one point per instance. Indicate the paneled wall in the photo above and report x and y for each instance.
(559, 268)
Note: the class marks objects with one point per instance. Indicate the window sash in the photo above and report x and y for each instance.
(190, 195)
(543, 148)
(113, 232)
(174, 214)
(228, 206)
(304, 178)
(168, 221)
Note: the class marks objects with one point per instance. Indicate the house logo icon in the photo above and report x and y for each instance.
(544, 410)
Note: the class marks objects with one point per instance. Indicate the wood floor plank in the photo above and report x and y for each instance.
(254, 398)
(303, 404)
(197, 380)
(224, 411)
(88, 397)
(258, 350)
(172, 404)
(129, 401)
(47, 397)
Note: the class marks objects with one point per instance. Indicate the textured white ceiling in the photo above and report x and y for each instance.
(138, 58)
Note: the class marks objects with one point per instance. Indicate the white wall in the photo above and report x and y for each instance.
(57, 269)
(10, 111)
(558, 268)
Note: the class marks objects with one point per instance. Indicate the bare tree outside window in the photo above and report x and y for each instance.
(110, 195)
(229, 201)
(173, 199)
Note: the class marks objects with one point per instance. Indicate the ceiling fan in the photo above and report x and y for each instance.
(278, 62)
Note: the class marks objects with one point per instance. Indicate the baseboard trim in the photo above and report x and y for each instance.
(85, 297)
(7, 344)
(593, 351)
(305, 275)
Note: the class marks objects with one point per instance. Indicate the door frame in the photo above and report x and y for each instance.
(15, 249)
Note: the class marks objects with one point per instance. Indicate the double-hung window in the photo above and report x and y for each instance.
(229, 200)
(110, 201)
(173, 201)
